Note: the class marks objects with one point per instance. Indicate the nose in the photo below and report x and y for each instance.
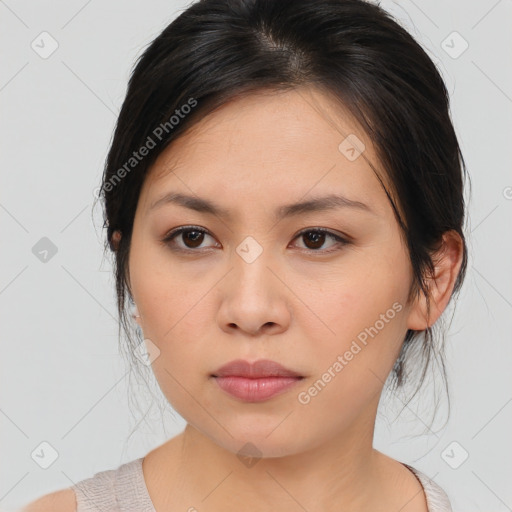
(254, 299)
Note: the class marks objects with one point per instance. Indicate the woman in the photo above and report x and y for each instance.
(284, 200)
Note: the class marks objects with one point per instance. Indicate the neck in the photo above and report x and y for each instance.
(340, 473)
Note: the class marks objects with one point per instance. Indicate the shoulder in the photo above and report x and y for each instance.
(437, 499)
(59, 501)
(417, 491)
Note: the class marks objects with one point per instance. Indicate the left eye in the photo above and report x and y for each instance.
(316, 237)
(193, 236)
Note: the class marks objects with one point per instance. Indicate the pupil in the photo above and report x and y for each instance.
(196, 240)
(315, 237)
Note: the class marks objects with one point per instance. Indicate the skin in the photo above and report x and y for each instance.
(301, 308)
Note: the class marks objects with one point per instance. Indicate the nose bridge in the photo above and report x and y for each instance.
(250, 250)
(251, 261)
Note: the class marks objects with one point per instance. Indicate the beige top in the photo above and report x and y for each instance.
(124, 490)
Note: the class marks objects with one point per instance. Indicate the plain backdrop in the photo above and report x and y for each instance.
(63, 382)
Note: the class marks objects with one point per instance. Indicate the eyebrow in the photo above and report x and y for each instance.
(316, 204)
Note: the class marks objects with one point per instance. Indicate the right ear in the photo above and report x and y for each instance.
(116, 238)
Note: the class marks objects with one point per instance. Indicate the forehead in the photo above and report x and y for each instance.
(271, 144)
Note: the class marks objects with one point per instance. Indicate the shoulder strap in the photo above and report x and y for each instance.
(116, 490)
(96, 494)
(130, 488)
(437, 499)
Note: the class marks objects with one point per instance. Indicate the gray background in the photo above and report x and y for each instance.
(62, 379)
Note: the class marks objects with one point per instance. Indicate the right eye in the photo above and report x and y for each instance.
(190, 236)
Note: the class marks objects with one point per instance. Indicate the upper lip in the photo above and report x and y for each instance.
(258, 369)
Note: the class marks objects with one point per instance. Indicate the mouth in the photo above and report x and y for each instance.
(255, 382)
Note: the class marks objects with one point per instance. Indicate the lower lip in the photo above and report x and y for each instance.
(256, 390)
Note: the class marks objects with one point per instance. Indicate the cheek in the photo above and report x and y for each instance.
(176, 317)
(366, 312)
(355, 299)
(164, 293)
(352, 367)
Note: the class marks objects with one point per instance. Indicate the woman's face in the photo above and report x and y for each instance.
(254, 288)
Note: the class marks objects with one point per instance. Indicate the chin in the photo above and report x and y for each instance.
(262, 442)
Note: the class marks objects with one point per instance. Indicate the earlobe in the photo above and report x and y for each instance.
(447, 262)
(134, 313)
(116, 238)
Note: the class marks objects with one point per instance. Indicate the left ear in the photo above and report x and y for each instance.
(447, 261)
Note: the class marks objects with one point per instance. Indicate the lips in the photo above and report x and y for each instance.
(255, 382)
(256, 370)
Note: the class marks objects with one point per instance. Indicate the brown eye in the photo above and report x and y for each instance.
(314, 239)
(193, 239)
(190, 238)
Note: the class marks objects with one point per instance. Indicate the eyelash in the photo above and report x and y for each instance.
(184, 229)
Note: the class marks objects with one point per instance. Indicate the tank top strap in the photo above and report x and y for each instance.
(116, 490)
(437, 499)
